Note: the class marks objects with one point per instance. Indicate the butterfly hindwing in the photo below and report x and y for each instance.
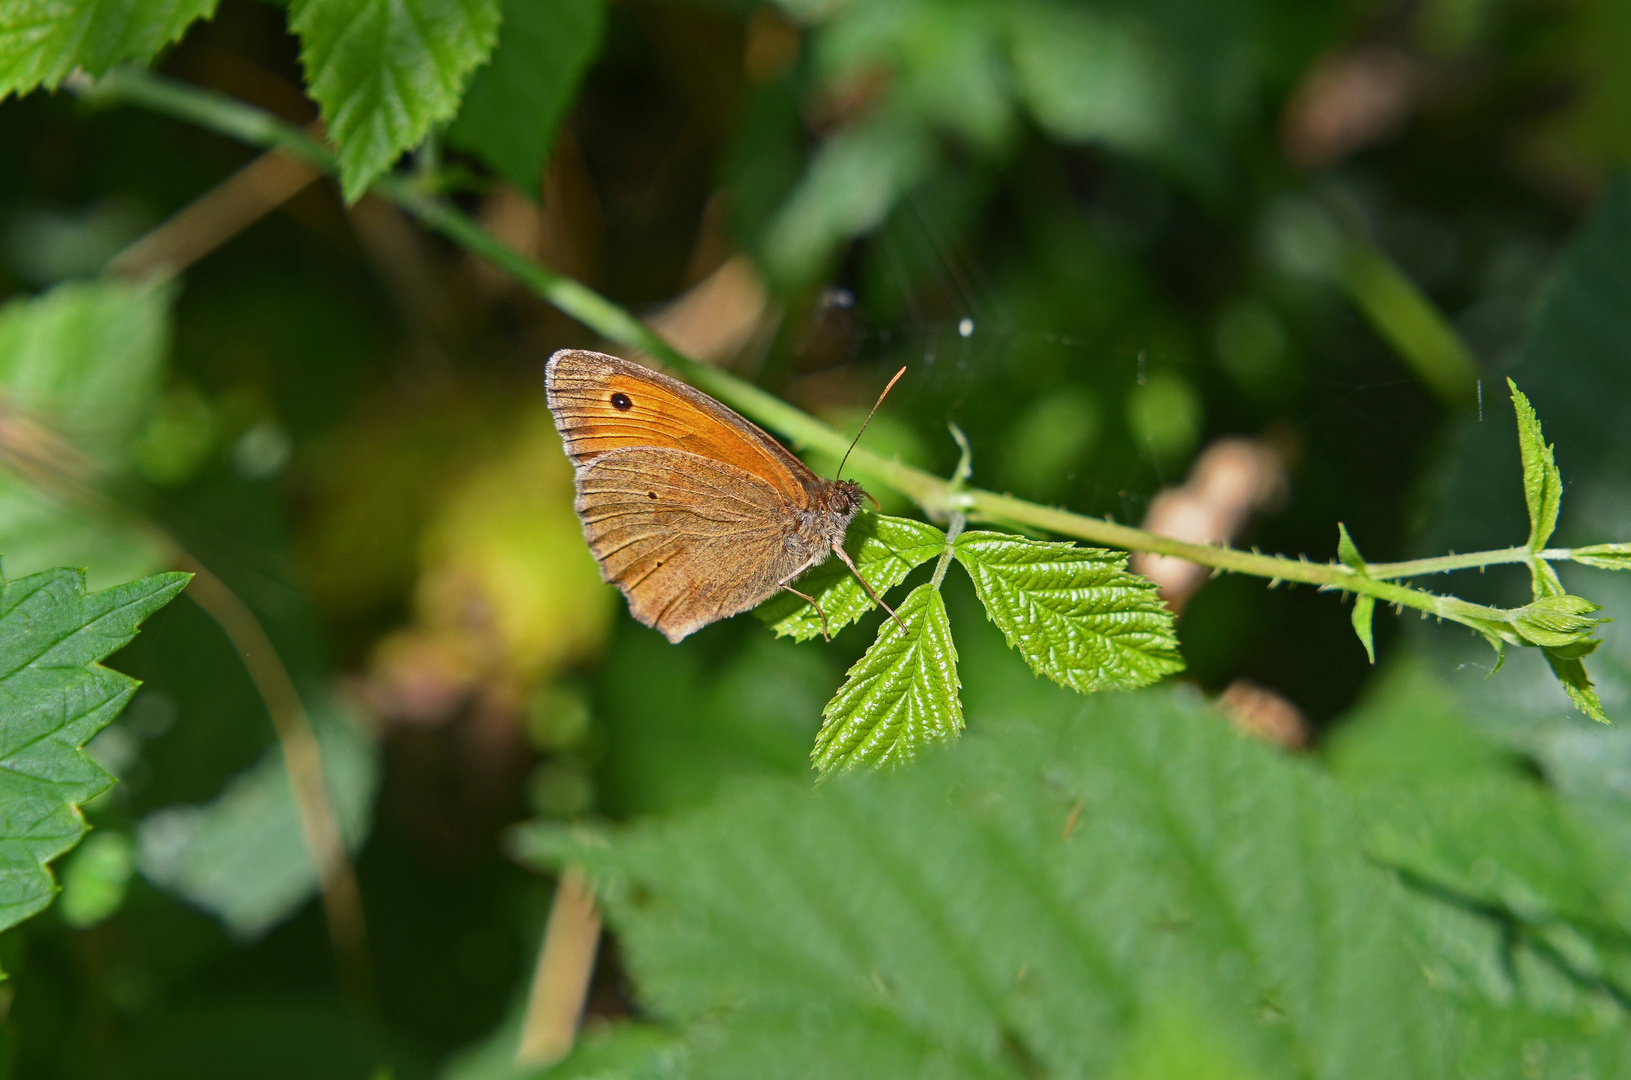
(688, 539)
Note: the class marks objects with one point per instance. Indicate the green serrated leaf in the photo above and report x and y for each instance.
(385, 71)
(41, 41)
(1542, 483)
(1046, 899)
(898, 698)
(1604, 556)
(885, 550)
(1363, 614)
(516, 102)
(1075, 614)
(1571, 672)
(1555, 621)
(54, 695)
(1348, 551)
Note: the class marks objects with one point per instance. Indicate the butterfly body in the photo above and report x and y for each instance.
(694, 512)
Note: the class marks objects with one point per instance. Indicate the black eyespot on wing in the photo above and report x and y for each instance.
(651, 494)
(621, 402)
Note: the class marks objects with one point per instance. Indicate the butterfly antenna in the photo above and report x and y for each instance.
(867, 421)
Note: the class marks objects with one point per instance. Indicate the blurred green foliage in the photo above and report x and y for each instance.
(1100, 235)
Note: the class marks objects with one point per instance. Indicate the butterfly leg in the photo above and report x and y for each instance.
(812, 602)
(844, 555)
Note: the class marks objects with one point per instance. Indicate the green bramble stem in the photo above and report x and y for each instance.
(939, 498)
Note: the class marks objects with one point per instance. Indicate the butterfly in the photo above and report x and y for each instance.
(693, 511)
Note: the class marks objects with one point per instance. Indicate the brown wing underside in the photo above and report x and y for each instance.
(690, 540)
(663, 413)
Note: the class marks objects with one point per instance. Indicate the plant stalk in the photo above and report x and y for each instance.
(939, 498)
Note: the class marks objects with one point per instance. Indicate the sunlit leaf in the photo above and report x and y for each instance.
(80, 368)
(1571, 672)
(1542, 483)
(41, 41)
(54, 695)
(885, 550)
(1348, 551)
(898, 698)
(385, 71)
(86, 360)
(1364, 613)
(516, 102)
(1604, 556)
(1557, 621)
(1076, 614)
(1107, 888)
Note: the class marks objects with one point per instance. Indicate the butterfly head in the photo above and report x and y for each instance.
(833, 506)
(845, 498)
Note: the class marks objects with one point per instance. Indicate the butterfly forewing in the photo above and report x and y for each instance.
(603, 403)
(688, 539)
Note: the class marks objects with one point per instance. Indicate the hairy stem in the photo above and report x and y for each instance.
(939, 498)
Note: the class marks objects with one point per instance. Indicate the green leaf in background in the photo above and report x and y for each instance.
(515, 103)
(848, 189)
(243, 857)
(385, 72)
(1517, 903)
(1115, 886)
(1541, 1044)
(1075, 614)
(623, 1051)
(899, 697)
(1503, 844)
(1087, 76)
(94, 879)
(1542, 483)
(885, 550)
(86, 359)
(41, 41)
(54, 695)
(80, 369)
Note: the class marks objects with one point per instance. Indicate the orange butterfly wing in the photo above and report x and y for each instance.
(603, 403)
(688, 539)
